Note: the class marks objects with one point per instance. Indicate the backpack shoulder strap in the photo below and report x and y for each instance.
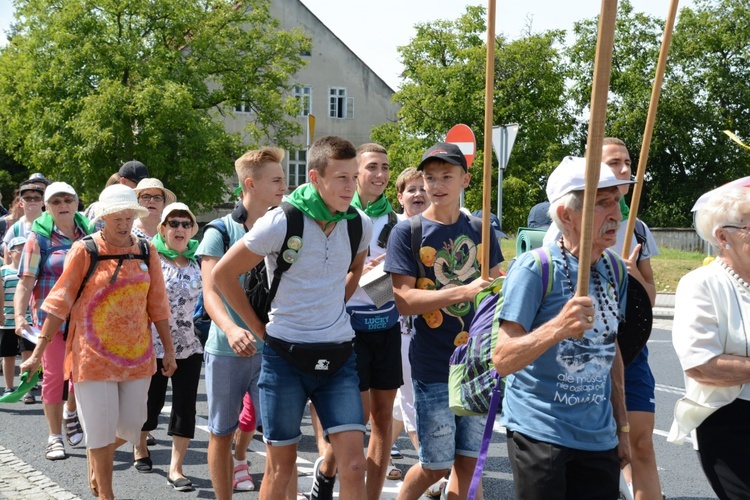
(386, 231)
(543, 259)
(415, 224)
(143, 246)
(295, 224)
(618, 266)
(354, 229)
(476, 223)
(219, 225)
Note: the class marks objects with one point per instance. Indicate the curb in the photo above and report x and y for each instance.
(19, 480)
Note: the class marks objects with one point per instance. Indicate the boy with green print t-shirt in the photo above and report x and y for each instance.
(442, 301)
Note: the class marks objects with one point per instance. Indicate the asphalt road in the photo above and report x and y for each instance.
(23, 431)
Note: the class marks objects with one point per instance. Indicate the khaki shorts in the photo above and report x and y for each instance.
(109, 410)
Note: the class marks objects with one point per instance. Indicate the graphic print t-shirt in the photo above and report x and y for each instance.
(562, 397)
(449, 255)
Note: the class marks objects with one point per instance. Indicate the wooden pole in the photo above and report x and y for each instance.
(599, 91)
(649, 130)
(489, 97)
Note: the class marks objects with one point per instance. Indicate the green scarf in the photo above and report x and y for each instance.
(381, 206)
(44, 224)
(162, 248)
(307, 199)
(624, 208)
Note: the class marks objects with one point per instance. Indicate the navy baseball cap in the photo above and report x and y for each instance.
(133, 170)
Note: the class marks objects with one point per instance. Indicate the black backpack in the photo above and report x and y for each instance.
(91, 247)
(259, 293)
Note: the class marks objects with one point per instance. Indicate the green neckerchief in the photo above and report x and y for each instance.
(624, 208)
(44, 223)
(162, 248)
(307, 199)
(381, 206)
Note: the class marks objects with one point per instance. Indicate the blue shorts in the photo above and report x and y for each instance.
(640, 384)
(285, 389)
(228, 379)
(443, 435)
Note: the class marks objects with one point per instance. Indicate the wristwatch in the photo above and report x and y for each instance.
(624, 429)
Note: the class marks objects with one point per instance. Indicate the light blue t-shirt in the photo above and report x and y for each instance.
(212, 245)
(309, 304)
(563, 397)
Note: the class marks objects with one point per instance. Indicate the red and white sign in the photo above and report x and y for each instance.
(462, 136)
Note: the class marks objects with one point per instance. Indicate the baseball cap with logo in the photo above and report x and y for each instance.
(570, 175)
(444, 151)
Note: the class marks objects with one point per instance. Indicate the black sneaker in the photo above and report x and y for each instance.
(322, 487)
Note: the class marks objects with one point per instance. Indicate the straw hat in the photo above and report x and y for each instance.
(118, 198)
(175, 207)
(151, 183)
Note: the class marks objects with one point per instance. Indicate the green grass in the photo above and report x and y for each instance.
(669, 266)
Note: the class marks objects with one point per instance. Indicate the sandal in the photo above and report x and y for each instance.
(150, 440)
(243, 482)
(73, 429)
(394, 473)
(29, 398)
(55, 449)
(92, 480)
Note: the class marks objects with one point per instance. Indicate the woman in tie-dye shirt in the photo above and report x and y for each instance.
(109, 345)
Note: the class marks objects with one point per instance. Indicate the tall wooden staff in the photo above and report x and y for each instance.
(489, 95)
(648, 132)
(600, 89)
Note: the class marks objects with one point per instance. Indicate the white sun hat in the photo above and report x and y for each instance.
(118, 198)
(151, 183)
(570, 175)
(175, 207)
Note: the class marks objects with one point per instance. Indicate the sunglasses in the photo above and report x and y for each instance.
(731, 226)
(148, 197)
(58, 201)
(174, 224)
(31, 199)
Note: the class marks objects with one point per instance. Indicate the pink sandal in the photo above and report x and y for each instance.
(243, 482)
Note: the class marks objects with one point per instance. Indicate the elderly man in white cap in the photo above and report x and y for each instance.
(564, 407)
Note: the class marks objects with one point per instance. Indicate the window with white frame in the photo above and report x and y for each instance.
(297, 173)
(243, 108)
(339, 105)
(303, 93)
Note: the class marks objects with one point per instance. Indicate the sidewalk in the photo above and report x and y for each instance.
(664, 307)
(19, 480)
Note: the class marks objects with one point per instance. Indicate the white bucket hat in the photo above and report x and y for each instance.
(174, 207)
(570, 175)
(118, 198)
(151, 183)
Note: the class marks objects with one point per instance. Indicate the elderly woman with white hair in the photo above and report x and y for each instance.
(111, 289)
(182, 276)
(710, 335)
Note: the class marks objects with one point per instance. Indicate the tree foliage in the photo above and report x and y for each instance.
(443, 85)
(706, 90)
(88, 84)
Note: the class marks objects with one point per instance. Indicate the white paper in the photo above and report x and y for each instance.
(32, 334)
(377, 285)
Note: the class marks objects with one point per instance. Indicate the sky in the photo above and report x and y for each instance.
(375, 29)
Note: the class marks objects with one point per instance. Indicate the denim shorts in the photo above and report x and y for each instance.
(284, 391)
(640, 385)
(442, 434)
(228, 379)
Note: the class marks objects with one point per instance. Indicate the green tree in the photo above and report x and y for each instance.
(444, 85)
(706, 90)
(87, 85)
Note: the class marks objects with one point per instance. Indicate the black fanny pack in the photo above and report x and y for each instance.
(318, 359)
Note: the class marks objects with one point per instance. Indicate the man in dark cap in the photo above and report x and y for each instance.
(132, 172)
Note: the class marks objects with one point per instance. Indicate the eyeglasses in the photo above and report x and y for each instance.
(57, 201)
(174, 224)
(148, 197)
(732, 226)
(16, 249)
(31, 199)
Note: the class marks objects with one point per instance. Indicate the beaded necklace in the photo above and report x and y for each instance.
(734, 275)
(605, 305)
